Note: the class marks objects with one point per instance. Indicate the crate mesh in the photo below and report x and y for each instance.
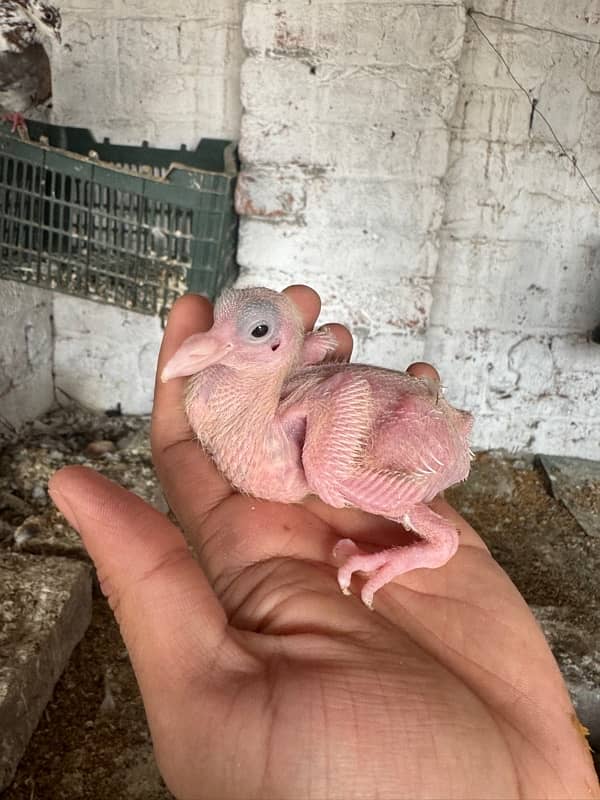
(133, 234)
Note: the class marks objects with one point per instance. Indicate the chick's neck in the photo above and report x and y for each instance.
(223, 400)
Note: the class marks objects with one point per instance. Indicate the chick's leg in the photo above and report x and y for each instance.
(439, 543)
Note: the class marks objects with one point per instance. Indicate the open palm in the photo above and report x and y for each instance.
(261, 680)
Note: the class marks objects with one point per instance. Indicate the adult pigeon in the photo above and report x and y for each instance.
(25, 75)
(282, 427)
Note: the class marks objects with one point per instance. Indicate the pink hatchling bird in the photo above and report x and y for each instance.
(281, 426)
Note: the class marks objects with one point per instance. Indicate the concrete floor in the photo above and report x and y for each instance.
(92, 742)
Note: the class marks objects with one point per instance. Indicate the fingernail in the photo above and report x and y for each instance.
(63, 505)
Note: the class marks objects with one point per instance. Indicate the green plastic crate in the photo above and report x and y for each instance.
(133, 226)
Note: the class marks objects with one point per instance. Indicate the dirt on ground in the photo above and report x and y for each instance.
(93, 743)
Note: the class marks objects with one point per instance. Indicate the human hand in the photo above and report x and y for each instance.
(261, 680)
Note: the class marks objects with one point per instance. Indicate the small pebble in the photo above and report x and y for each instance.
(12, 501)
(99, 448)
(40, 427)
(6, 531)
(27, 530)
(38, 492)
(108, 704)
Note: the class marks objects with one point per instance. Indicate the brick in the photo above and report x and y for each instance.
(495, 115)
(368, 305)
(45, 608)
(391, 350)
(265, 245)
(270, 196)
(530, 432)
(529, 62)
(493, 188)
(201, 42)
(146, 39)
(575, 355)
(519, 394)
(463, 359)
(377, 208)
(277, 5)
(224, 10)
(361, 33)
(276, 88)
(482, 288)
(413, 154)
(87, 38)
(144, 93)
(577, 17)
(557, 83)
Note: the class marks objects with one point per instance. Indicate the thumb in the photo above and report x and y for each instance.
(170, 619)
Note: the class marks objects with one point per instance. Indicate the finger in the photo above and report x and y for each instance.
(190, 314)
(190, 481)
(307, 301)
(420, 369)
(169, 616)
(345, 342)
(309, 305)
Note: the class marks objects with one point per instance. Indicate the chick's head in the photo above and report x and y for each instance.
(254, 330)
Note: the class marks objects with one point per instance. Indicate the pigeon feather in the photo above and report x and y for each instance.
(25, 73)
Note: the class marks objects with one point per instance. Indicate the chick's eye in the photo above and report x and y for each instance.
(48, 16)
(260, 331)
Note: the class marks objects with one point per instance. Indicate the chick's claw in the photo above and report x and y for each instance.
(436, 548)
(342, 554)
(357, 561)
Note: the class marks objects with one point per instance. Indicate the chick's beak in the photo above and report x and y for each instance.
(197, 353)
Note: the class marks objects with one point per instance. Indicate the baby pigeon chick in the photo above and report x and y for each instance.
(280, 426)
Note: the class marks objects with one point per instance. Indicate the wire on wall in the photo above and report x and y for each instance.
(472, 13)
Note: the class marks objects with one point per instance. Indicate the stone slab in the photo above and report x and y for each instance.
(116, 446)
(45, 608)
(576, 483)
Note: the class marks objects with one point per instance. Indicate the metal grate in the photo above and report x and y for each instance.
(138, 228)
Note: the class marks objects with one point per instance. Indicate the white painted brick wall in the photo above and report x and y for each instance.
(517, 288)
(346, 106)
(388, 161)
